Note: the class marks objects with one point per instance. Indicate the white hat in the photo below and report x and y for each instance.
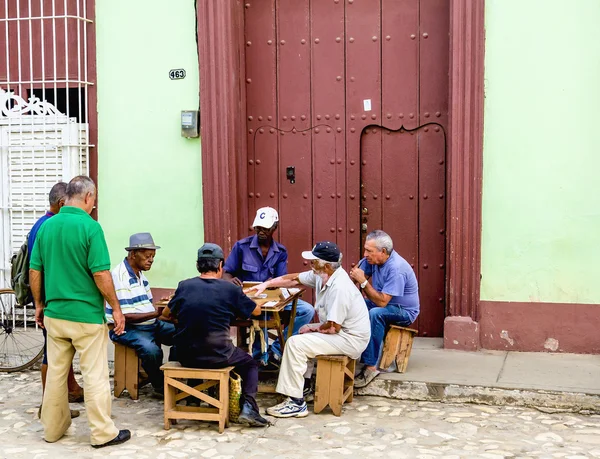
(266, 217)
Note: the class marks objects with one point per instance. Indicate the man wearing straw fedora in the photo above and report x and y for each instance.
(144, 332)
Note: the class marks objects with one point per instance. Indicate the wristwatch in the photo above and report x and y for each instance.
(364, 284)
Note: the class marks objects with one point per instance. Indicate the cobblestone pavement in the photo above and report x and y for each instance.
(369, 427)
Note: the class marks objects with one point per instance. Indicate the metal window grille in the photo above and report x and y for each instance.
(44, 131)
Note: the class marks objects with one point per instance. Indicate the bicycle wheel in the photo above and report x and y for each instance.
(21, 340)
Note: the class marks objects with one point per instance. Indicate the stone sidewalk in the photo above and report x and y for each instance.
(370, 427)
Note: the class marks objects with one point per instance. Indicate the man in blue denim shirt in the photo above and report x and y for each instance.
(259, 258)
(392, 298)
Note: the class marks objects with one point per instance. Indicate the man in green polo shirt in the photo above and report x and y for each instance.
(70, 262)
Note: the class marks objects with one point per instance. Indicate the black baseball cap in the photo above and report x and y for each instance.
(210, 250)
(325, 250)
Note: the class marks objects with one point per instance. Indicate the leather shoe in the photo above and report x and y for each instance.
(74, 413)
(123, 436)
(76, 398)
(251, 417)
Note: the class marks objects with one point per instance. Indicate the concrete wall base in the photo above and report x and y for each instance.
(461, 333)
(546, 401)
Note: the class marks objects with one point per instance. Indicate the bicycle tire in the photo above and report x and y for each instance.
(12, 333)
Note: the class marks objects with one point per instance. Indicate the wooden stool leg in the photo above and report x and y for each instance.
(119, 375)
(390, 348)
(404, 349)
(322, 385)
(336, 388)
(169, 402)
(224, 400)
(351, 369)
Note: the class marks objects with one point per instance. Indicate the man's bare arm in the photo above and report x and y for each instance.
(140, 317)
(104, 282)
(329, 327)
(256, 311)
(379, 298)
(286, 281)
(231, 278)
(35, 283)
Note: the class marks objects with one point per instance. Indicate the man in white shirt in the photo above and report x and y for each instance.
(144, 332)
(343, 328)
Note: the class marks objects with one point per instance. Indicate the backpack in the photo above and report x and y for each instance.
(19, 275)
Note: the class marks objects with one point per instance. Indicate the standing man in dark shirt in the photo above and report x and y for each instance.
(56, 198)
(203, 308)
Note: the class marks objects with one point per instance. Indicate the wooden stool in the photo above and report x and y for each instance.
(127, 371)
(397, 346)
(176, 390)
(335, 382)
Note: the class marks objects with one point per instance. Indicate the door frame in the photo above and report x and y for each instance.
(224, 154)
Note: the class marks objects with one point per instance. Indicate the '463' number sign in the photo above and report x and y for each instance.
(177, 74)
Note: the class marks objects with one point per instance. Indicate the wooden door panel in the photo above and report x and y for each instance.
(294, 146)
(361, 91)
(261, 103)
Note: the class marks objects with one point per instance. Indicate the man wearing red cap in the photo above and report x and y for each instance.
(343, 327)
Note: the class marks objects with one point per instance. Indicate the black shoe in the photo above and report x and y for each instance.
(273, 363)
(251, 417)
(158, 393)
(193, 401)
(123, 436)
(74, 413)
(308, 394)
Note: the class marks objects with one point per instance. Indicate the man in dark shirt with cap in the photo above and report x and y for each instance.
(203, 308)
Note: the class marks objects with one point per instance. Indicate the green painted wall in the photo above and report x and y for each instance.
(149, 176)
(541, 186)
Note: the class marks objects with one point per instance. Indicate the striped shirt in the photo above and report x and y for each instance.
(133, 293)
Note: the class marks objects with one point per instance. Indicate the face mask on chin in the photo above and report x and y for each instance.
(322, 274)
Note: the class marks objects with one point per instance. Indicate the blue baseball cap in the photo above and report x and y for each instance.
(325, 250)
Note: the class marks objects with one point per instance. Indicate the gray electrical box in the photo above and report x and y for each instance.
(190, 123)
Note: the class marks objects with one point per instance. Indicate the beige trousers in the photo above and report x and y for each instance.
(90, 340)
(299, 349)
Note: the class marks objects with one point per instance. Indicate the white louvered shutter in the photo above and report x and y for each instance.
(35, 155)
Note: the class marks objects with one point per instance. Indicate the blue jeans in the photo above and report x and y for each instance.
(146, 340)
(381, 318)
(304, 315)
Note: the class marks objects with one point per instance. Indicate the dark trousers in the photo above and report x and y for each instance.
(243, 364)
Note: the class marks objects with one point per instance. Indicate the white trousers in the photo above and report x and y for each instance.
(299, 349)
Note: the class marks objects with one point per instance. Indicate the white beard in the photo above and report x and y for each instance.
(324, 277)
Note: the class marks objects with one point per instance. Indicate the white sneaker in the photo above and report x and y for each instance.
(288, 409)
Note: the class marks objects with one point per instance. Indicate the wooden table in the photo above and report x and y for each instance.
(161, 305)
(272, 306)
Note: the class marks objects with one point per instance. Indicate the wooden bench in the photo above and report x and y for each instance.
(127, 371)
(177, 389)
(335, 382)
(397, 346)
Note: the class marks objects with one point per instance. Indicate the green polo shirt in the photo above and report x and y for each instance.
(69, 248)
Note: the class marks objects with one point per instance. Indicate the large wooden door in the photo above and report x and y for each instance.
(347, 108)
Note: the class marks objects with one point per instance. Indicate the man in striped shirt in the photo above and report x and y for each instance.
(144, 332)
